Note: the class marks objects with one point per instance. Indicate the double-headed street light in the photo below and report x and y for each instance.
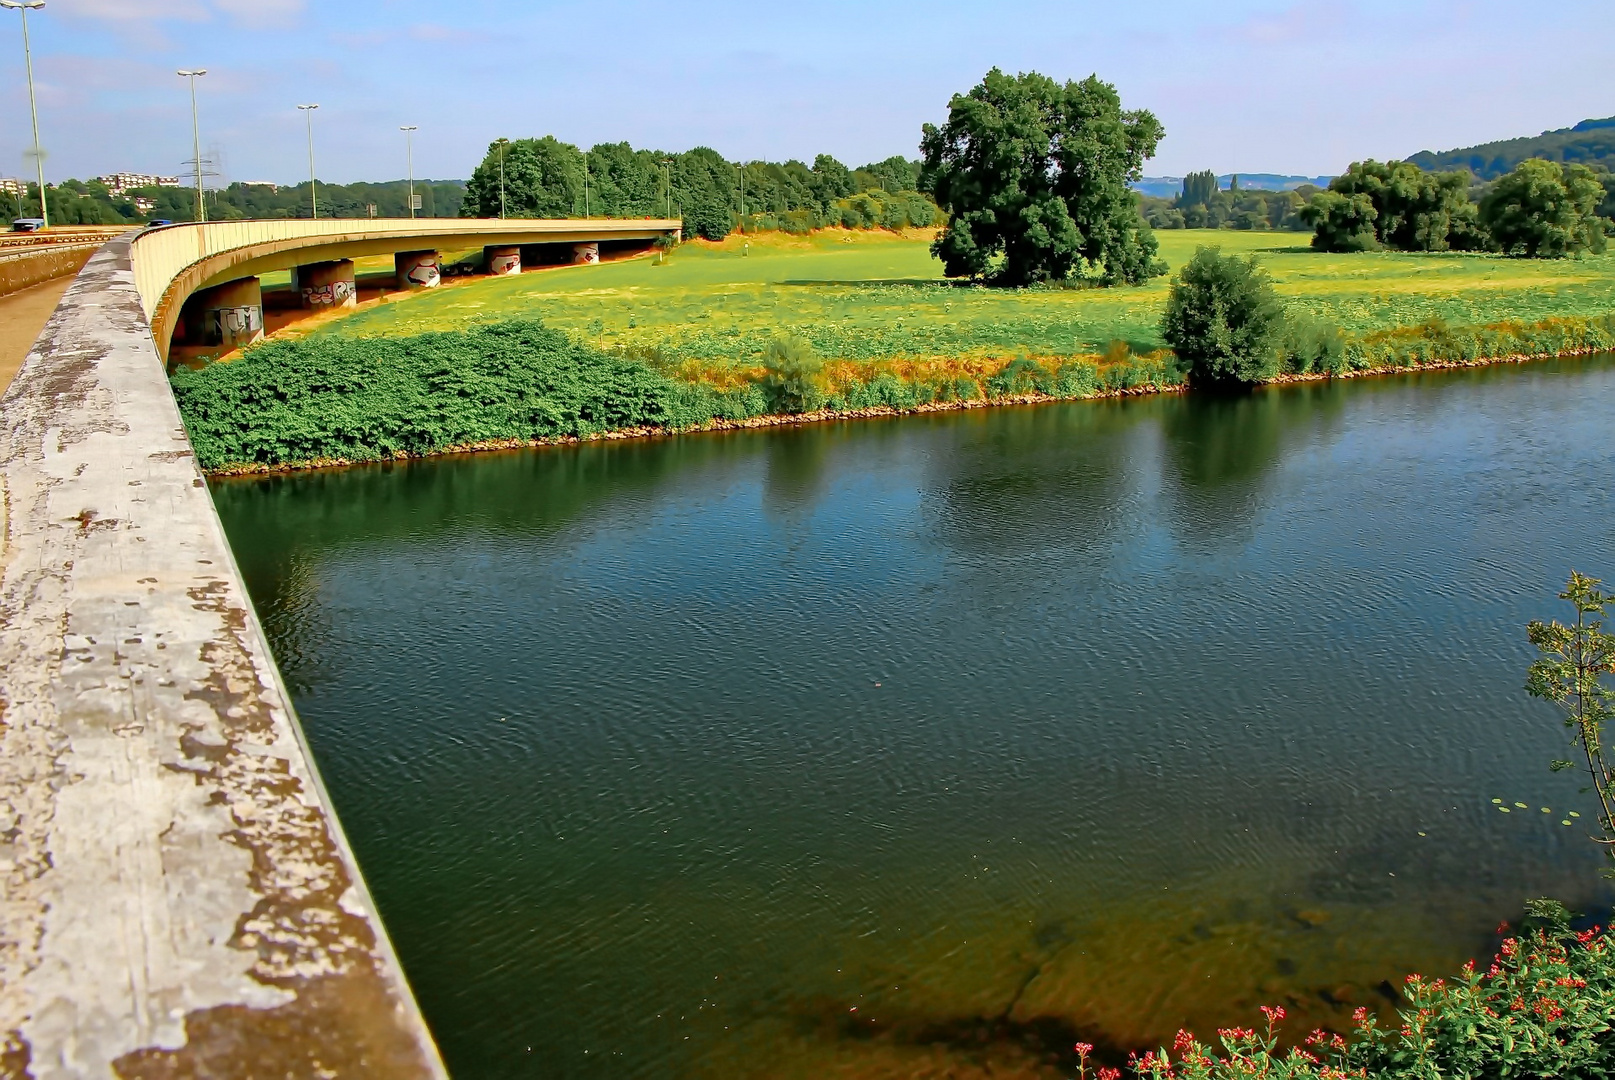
(25, 6)
(313, 195)
(196, 140)
(409, 131)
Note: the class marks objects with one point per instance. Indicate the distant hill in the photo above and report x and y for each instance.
(1591, 142)
(1165, 187)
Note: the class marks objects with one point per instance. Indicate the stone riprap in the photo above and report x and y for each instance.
(176, 896)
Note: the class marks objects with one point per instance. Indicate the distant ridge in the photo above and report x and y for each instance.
(1591, 142)
(1165, 187)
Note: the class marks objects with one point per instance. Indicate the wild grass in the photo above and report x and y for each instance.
(862, 298)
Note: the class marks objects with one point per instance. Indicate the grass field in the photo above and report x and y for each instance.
(868, 296)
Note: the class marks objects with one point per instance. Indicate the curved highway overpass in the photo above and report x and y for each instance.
(217, 263)
(177, 898)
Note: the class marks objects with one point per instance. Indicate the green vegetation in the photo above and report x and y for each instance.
(1034, 178)
(1202, 204)
(1540, 210)
(549, 178)
(1397, 206)
(863, 298)
(1543, 210)
(1542, 1009)
(78, 202)
(1224, 319)
(1589, 142)
(1570, 674)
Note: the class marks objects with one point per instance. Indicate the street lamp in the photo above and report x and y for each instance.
(313, 194)
(585, 185)
(502, 143)
(196, 141)
(667, 181)
(409, 131)
(24, 6)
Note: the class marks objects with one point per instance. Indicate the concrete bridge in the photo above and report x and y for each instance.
(200, 282)
(176, 895)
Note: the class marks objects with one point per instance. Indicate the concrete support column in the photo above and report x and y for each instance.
(231, 314)
(418, 269)
(585, 253)
(502, 260)
(325, 286)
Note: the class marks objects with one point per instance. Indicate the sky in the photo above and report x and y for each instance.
(1284, 86)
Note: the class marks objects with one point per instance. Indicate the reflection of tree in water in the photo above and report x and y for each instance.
(796, 468)
(1220, 449)
(1026, 480)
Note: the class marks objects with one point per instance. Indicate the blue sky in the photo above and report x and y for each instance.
(1291, 86)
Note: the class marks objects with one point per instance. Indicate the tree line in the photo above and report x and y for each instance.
(1541, 209)
(1204, 205)
(90, 202)
(548, 178)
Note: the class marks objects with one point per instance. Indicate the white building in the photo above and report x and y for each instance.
(118, 183)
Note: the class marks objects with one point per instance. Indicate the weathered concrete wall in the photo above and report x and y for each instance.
(176, 897)
(28, 268)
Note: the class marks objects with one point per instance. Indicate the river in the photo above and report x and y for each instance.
(926, 746)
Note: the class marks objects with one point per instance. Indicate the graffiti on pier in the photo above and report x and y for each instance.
(233, 325)
(585, 253)
(339, 293)
(505, 263)
(423, 272)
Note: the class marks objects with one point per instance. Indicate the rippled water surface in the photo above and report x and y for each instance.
(922, 747)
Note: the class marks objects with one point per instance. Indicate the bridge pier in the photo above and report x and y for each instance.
(501, 260)
(325, 286)
(583, 254)
(231, 314)
(417, 269)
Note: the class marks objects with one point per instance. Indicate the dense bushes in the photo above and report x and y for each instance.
(363, 399)
(1544, 1008)
(1224, 319)
(1545, 210)
(366, 399)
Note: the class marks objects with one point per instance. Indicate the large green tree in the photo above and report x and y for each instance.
(1034, 175)
(1543, 210)
(1394, 205)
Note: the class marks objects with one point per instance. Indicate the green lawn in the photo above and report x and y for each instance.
(877, 296)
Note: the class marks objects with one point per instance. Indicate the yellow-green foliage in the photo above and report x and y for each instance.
(868, 297)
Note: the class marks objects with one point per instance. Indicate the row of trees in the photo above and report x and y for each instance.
(1542, 209)
(1203, 205)
(81, 202)
(549, 178)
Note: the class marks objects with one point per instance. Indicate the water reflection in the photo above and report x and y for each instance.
(915, 747)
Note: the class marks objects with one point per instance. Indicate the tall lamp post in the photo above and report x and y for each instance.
(313, 193)
(667, 180)
(24, 6)
(502, 144)
(196, 140)
(409, 131)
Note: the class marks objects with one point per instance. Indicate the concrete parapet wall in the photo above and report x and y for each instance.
(176, 896)
(33, 266)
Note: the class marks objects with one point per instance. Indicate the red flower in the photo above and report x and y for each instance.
(1109, 1074)
(1183, 1041)
(1083, 1049)
(1274, 1014)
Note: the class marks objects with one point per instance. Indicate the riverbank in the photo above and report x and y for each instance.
(326, 403)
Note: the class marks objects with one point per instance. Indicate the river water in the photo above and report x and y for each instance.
(927, 746)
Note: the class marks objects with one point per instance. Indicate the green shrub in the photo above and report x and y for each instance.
(793, 380)
(1224, 319)
(1312, 346)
